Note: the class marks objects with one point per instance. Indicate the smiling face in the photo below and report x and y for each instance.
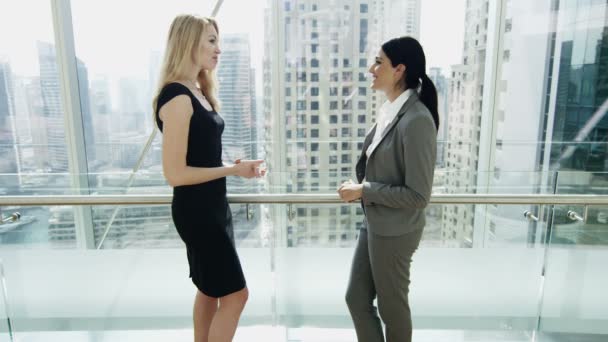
(208, 51)
(385, 77)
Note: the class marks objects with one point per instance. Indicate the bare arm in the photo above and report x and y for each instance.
(176, 115)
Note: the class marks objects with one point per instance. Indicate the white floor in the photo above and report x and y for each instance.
(280, 334)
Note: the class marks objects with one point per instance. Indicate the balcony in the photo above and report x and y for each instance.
(533, 268)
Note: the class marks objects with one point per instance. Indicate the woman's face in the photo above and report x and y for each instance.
(384, 76)
(208, 49)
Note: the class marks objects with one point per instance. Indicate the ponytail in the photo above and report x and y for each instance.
(408, 51)
(428, 96)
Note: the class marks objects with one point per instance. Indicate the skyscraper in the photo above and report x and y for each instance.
(441, 84)
(52, 112)
(35, 107)
(463, 124)
(319, 113)
(236, 94)
(400, 18)
(24, 132)
(132, 116)
(517, 116)
(8, 152)
(53, 109)
(237, 97)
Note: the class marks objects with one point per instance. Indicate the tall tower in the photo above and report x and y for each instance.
(317, 118)
(53, 109)
(401, 18)
(441, 84)
(8, 151)
(236, 94)
(57, 158)
(465, 96)
(237, 97)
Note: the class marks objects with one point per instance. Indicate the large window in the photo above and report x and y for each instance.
(33, 151)
(291, 76)
(31, 109)
(118, 67)
(522, 95)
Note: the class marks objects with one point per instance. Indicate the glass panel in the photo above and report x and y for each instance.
(479, 298)
(126, 283)
(460, 80)
(32, 138)
(241, 78)
(575, 298)
(135, 227)
(515, 225)
(38, 228)
(143, 226)
(5, 327)
(492, 287)
(151, 227)
(326, 106)
(549, 90)
(116, 88)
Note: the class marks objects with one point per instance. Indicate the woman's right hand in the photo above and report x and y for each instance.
(249, 168)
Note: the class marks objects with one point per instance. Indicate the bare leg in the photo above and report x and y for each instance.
(227, 316)
(205, 308)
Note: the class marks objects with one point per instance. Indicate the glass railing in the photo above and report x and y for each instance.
(6, 330)
(533, 268)
(574, 298)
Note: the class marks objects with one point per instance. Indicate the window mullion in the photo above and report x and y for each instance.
(73, 121)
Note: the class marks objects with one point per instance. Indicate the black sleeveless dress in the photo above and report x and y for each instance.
(201, 212)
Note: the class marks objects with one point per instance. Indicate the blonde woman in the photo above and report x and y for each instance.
(185, 110)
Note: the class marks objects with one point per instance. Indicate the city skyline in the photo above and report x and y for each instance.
(313, 120)
(443, 46)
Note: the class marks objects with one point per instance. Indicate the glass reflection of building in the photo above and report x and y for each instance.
(582, 89)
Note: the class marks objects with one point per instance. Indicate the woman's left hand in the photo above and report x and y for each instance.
(350, 191)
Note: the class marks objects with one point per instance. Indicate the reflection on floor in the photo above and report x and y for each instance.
(280, 334)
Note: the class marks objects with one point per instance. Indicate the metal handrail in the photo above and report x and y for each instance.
(302, 199)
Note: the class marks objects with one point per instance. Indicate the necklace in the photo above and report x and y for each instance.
(192, 85)
(198, 94)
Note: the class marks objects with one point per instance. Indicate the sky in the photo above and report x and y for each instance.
(115, 37)
(442, 32)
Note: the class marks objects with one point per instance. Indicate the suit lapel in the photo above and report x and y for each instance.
(412, 99)
(369, 137)
(362, 162)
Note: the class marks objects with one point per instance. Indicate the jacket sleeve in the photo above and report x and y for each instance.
(419, 149)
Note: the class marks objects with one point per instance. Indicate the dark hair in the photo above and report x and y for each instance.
(407, 51)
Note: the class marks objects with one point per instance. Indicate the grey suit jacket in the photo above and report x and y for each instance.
(398, 175)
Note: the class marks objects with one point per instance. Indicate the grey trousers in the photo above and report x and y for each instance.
(381, 268)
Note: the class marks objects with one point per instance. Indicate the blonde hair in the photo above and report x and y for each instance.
(184, 36)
